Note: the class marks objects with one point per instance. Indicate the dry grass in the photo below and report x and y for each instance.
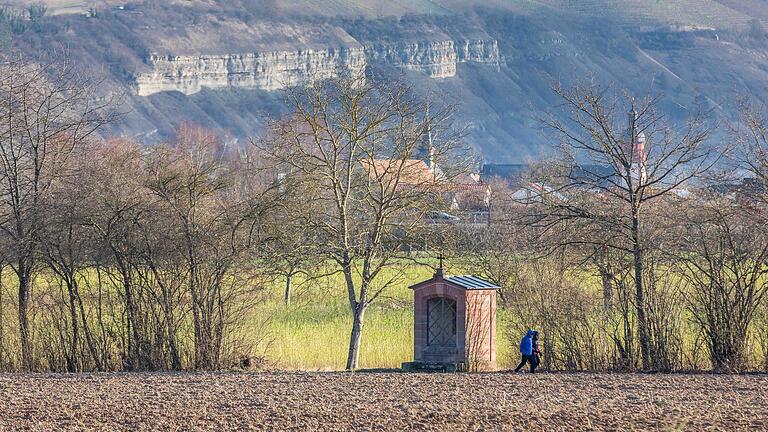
(383, 401)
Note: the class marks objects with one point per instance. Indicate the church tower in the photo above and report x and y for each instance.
(636, 150)
(427, 147)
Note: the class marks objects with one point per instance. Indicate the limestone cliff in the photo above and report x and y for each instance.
(436, 59)
(264, 70)
(484, 51)
(273, 70)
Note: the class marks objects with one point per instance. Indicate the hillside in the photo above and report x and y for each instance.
(713, 13)
(223, 64)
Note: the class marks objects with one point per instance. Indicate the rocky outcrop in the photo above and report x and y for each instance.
(278, 69)
(436, 59)
(483, 51)
(266, 70)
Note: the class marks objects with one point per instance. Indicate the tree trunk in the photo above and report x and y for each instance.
(642, 322)
(628, 336)
(171, 329)
(2, 326)
(170, 320)
(175, 358)
(287, 294)
(72, 360)
(103, 346)
(199, 319)
(198, 332)
(88, 335)
(24, 288)
(135, 351)
(353, 357)
(607, 279)
(218, 338)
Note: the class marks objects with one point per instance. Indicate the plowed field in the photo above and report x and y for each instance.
(382, 401)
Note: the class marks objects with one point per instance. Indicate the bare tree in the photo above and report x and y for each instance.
(194, 182)
(496, 250)
(753, 138)
(354, 144)
(67, 244)
(614, 268)
(47, 110)
(626, 162)
(289, 250)
(723, 259)
(120, 204)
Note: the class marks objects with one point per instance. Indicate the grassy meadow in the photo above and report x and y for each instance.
(312, 333)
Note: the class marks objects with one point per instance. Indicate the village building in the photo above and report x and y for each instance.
(464, 198)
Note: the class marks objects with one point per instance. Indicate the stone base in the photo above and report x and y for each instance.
(434, 367)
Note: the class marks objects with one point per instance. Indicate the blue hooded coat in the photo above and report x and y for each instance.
(526, 344)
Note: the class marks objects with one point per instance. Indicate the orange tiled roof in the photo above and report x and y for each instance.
(410, 171)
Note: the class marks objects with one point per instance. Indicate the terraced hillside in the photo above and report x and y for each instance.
(709, 13)
(753, 8)
(701, 13)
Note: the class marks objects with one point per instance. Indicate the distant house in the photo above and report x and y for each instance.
(535, 193)
(599, 175)
(466, 196)
(744, 190)
(407, 172)
(471, 197)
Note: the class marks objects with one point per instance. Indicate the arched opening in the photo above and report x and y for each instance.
(441, 322)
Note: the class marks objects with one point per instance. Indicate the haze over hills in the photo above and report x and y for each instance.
(685, 12)
(223, 63)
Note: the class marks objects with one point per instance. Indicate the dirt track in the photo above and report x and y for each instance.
(379, 401)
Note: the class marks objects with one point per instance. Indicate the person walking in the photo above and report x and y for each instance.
(536, 351)
(526, 351)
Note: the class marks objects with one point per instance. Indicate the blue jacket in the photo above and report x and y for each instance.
(526, 344)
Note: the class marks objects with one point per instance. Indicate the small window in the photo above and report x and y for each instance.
(441, 321)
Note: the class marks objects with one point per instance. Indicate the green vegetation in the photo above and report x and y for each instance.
(312, 333)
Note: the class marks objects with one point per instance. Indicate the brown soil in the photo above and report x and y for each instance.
(382, 401)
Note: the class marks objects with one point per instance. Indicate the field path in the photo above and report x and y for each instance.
(382, 401)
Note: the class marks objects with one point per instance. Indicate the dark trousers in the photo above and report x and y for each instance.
(530, 359)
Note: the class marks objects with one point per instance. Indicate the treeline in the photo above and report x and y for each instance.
(117, 256)
(130, 258)
(640, 245)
